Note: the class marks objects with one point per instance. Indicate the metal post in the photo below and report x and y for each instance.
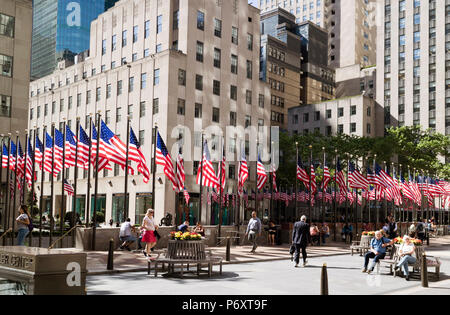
(125, 202)
(199, 219)
(424, 271)
(88, 188)
(52, 185)
(94, 225)
(296, 182)
(154, 164)
(7, 192)
(324, 281)
(41, 199)
(227, 255)
(2, 224)
(63, 176)
(75, 175)
(310, 190)
(13, 212)
(335, 193)
(110, 265)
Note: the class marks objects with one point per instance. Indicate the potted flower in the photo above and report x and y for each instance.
(187, 236)
(369, 233)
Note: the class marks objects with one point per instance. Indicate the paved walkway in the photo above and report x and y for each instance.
(125, 261)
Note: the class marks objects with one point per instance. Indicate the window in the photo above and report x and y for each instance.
(353, 110)
(5, 106)
(369, 129)
(234, 35)
(119, 87)
(217, 57)
(199, 82)
(70, 102)
(199, 55)
(216, 115)
(147, 29)
(306, 117)
(317, 116)
(114, 43)
(200, 20)
(146, 52)
(328, 113)
(6, 63)
(155, 106)
(248, 97)
(249, 69)
(131, 84)
(198, 110)
(353, 127)
(233, 119)
(142, 109)
(340, 112)
(261, 101)
(156, 77)
(98, 94)
(45, 109)
(130, 111)
(217, 28)
(233, 92)
(216, 87)
(6, 25)
(118, 114)
(135, 33)
(232, 168)
(248, 121)
(78, 99)
(340, 129)
(250, 41)
(181, 108)
(143, 81)
(181, 77)
(159, 24)
(176, 19)
(108, 91)
(104, 47)
(141, 137)
(124, 38)
(234, 64)
(108, 117)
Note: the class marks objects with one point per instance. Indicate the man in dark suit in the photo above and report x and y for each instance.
(301, 239)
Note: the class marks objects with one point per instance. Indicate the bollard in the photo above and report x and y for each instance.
(227, 255)
(424, 273)
(428, 238)
(110, 265)
(324, 281)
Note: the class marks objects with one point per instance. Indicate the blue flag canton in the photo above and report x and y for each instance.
(133, 140)
(5, 150)
(84, 137)
(351, 167)
(59, 138)
(70, 136)
(106, 133)
(161, 145)
(94, 132)
(39, 145)
(30, 152)
(20, 150)
(48, 141)
(13, 148)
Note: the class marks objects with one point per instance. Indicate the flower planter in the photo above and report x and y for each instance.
(194, 250)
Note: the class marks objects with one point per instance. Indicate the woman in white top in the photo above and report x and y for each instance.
(406, 252)
(149, 227)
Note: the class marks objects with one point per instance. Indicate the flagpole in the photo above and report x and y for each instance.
(176, 176)
(310, 190)
(323, 187)
(415, 210)
(8, 190)
(61, 220)
(33, 170)
(52, 184)
(346, 191)
(376, 182)
(199, 219)
(221, 192)
(154, 164)
(3, 214)
(75, 178)
(88, 188)
(271, 179)
(22, 195)
(356, 206)
(99, 132)
(256, 177)
(15, 188)
(41, 199)
(296, 181)
(335, 193)
(125, 201)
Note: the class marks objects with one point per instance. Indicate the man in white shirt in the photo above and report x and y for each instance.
(126, 235)
(253, 229)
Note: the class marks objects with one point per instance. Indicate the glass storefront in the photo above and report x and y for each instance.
(80, 206)
(118, 207)
(143, 202)
(100, 207)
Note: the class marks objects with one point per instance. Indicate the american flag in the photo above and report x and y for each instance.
(301, 173)
(181, 176)
(39, 152)
(406, 190)
(340, 178)
(68, 188)
(243, 171)
(186, 196)
(371, 177)
(115, 149)
(135, 154)
(164, 159)
(261, 174)
(208, 176)
(326, 178)
(274, 179)
(12, 156)
(83, 149)
(103, 159)
(71, 146)
(356, 179)
(313, 180)
(48, 167)
(59, 148)
(5, 156)
(29, 166)
(222, 171)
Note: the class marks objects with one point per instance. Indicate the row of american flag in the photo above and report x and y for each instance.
(377, 185)
(64, 150)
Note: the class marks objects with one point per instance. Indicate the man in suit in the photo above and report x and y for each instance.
(301, 239)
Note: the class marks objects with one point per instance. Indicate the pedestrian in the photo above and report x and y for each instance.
(126, 236)
(377, 251)
(253, 230)
(347, 230)
(406, 252)
(272, 231)
(111, 222)
(325, 232)
(392, 228)
(199, 229)
(149, 226)
(23, 225)
(412, 229)
(315, 234)
(420, 230)
(184, 227)
(301, 238)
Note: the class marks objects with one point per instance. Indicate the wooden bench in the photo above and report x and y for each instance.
(362, 246)
(186, 253)
(391, 261)
(432, 261)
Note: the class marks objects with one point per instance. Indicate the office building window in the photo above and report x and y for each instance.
(156, 77)
(131, 84)
(135, 33)
(6, 63)
(200, 20)
(216, 87)
(217, 28)
(155, 106)
(142, 109)
(199, 55)
(233, 92)
(6, 25)
(181, 77)
(199, 82)
(217, 57)
(124, 38)
(216, 115)
(143, 81)
(181, 108)
(198, 110)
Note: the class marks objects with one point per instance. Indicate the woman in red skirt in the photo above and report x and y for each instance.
(149, 227)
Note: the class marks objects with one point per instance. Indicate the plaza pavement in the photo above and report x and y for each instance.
(279, 277)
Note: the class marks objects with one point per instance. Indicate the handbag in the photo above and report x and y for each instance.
(292, 249)
(155, 232)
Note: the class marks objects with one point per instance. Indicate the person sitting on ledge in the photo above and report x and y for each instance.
(184, 227)
(199, 229)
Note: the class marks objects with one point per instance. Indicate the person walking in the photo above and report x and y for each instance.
(392, 228)
(406, 252)
(253, 230)
(300, 239)
(23, 225)
(325, 232)
(377, 251)
(126, 236)
(149, 226)
(421, 230)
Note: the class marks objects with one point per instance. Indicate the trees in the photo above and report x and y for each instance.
(409, 146)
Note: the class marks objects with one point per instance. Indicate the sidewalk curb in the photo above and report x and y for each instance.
(120, 271)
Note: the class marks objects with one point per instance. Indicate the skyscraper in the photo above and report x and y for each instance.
(413, 81)
(61, 29)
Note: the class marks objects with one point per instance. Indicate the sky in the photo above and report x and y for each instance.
(253, 2)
